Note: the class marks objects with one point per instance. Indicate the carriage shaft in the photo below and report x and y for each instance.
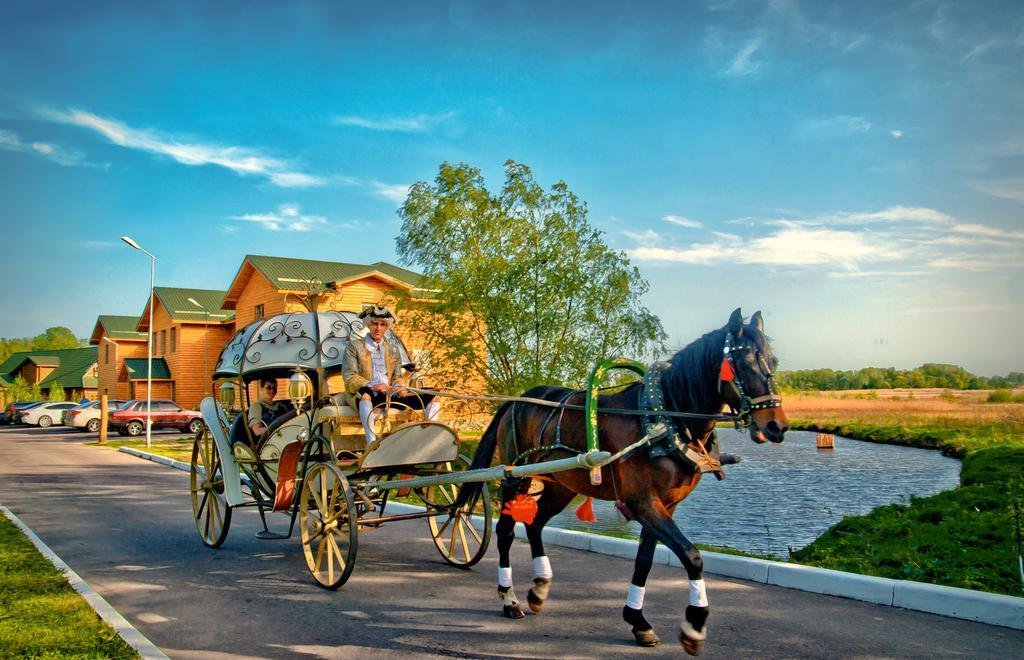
(586, 461)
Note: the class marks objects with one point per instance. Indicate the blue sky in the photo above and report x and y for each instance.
(855, 170)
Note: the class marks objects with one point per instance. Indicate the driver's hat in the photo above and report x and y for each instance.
(371, 312)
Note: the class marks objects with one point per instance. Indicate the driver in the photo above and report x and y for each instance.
(373, 368)
(263, 410)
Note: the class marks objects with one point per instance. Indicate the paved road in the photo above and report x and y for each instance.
(125, 526)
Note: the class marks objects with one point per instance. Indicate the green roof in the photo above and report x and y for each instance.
(285, 272)
(72, 366)
(137, 368)
(121, 327)
(176, 302)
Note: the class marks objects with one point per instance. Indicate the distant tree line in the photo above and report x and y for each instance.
(52, 338)
(876, 378)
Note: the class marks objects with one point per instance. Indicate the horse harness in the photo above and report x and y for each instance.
(668, 438)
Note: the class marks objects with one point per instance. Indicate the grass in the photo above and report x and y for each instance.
(41, 616)
(967, 537)
(177, 447)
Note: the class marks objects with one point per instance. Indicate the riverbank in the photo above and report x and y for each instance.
(967, 537)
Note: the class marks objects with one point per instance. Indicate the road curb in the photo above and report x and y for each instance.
(980, 606)
(147, 649)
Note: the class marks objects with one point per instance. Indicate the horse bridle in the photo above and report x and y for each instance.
(748, 404)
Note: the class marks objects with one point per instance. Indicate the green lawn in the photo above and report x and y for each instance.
(178, 447)
(41, 616)
(968, 537)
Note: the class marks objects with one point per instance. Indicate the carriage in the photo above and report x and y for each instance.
(313, 464)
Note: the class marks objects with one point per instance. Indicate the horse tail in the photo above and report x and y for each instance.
(482, 458)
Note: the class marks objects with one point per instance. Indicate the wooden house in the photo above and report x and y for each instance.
(189, 331)
(116, 340)
(73, 369)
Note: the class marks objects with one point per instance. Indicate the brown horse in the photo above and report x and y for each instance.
(729, 366)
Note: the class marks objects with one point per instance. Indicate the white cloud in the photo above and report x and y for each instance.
(963, 309)
(864, 274)
(1011, 188)
(837, 126)
(788, 247)
(396, 192)
(240, 160)
(741, 64)
(288, 217)
(647, 237)
(725, 236)
(985, 230)
(680, 221)
(416, 124)
(11, 141)
(889, 214)
(965, 263)
(896, 133)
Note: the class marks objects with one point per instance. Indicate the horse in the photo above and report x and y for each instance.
(729, 366)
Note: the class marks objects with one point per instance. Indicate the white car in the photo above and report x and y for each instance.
(46, 414)
(86, 416)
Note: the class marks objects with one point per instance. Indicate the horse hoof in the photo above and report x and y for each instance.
(646, 638)
(512, 612)
(690, 645)
(537, 594)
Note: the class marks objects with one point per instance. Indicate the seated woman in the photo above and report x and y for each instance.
(264, 410)
(373, 367)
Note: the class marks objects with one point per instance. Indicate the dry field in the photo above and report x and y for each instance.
(903, 407)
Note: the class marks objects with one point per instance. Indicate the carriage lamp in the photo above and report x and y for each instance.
(299, 388)
(227, 395)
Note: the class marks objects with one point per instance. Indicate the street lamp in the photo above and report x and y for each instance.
(149, 340)
(206, 344)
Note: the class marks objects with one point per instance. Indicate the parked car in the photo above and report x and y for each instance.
(12, 411)
(86, 416)
(46, 414)
(130, 419)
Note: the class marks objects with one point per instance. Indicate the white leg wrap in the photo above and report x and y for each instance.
(542, 567)
(432, 409)
(698, 593)
(365, 416)
(504, 576)
(635, 597)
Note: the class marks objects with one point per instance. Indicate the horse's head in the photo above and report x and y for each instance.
(747, 381)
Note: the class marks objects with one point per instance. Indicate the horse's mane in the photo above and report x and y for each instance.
(687, 385)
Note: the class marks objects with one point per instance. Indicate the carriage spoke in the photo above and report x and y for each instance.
(440, 532)
(460, 525)
(472, 530)
(319, 554)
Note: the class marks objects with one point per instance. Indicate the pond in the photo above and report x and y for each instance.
(782, 497)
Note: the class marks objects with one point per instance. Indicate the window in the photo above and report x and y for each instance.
(259, 312)
(163, 342)
(106, 354)
(174, 332)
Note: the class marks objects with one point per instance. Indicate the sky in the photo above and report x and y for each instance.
(853, 170)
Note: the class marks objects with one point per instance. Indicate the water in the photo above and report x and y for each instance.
(782, 497)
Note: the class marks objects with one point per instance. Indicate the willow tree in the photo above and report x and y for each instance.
(521, 290)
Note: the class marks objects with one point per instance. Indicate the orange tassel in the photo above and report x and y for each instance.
(522, 509)
(726, 374)
(585, 511)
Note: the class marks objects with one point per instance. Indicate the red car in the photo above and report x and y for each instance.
(130, 419)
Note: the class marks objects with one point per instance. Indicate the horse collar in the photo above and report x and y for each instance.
(652, 398)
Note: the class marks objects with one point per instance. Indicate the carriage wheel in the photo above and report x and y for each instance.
(328, 525)
(458, 541)
(210, 508)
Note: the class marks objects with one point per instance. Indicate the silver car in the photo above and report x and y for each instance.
(86, 416)
(46, 414)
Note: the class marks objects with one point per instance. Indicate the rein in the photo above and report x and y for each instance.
(569, 406)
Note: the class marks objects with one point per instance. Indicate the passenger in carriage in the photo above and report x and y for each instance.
(373, 367)
(264, 410)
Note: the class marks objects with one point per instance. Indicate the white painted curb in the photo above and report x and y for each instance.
(147, 649)
(993, 609)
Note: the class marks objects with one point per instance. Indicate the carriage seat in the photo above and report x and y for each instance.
(238, 432)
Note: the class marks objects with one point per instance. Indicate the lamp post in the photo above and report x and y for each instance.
(149, 340)
(206, 344)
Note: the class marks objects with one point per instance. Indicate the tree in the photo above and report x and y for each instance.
(55, 338)
(525, 291)
(57, 392)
